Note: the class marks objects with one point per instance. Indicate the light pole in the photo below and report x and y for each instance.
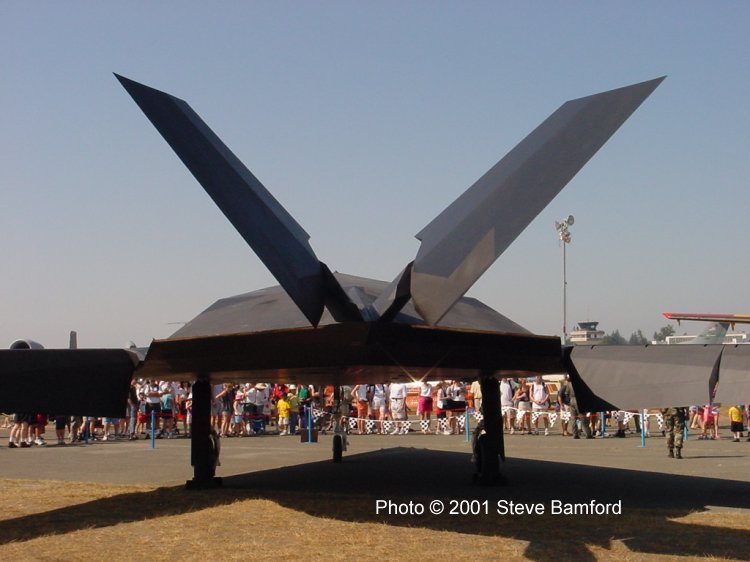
(564, 233)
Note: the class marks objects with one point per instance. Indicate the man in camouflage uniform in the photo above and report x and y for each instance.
(576, 417)
(674, 424)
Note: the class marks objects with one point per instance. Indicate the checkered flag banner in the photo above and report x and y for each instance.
(317, 414)
(370, 426)
(443, 424)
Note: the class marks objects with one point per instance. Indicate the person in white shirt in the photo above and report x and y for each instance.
(361, 397)
(262, 404)
(476, 393)
(153, 404)
(398, 405)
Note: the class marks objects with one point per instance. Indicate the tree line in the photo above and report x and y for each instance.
(637, 337)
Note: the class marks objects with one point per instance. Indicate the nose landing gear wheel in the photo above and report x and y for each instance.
(338, 448)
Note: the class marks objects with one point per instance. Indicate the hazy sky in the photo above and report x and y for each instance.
(365, 120)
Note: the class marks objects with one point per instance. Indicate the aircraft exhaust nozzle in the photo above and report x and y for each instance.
(26, 344)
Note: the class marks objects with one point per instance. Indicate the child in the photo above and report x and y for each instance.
(283, 408)
(710, 422)
(237, 411)
(735, 417)
(696, 417)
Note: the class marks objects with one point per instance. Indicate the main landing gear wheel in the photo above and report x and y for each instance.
(215, 447)
(489, 463)
(338, 448)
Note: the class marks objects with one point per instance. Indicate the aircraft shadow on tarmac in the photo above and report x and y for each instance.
(349, 491)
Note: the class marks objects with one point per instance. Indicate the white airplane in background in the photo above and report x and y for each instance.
(715, 332)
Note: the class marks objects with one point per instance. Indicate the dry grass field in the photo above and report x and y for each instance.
(50, 520)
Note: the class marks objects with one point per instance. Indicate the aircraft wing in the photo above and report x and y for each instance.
(82, 382)
(471, 233)
(628, 377)
(702, 317)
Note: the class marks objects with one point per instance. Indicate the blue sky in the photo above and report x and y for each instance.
(365, 119)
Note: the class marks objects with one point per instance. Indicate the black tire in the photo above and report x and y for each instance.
(215, 446)
(489, 463)
(338, 448)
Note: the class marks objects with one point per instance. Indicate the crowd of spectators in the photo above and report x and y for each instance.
(164, 410)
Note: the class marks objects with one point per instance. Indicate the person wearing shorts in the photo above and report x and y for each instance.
(456, 404)
(735, 419)
(19, 434)
(540, 403)
(153, 404)
(443, 403)
(108, 423)
(284, 409)
(710, 422)
(506, 403)
(380, 397)
(424, 406)
(397, 393)
(238, 427)
(360, 396)
(61, 422)
(524, 407)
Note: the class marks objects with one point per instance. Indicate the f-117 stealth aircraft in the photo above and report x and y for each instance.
(319, 326)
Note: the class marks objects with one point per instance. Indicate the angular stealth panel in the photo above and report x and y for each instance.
(469, 235)
(278, 240)
(734, 375)
(76, 382)
(395, 296)
(629, 377)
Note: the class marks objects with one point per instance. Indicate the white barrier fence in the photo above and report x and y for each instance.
(443, 424)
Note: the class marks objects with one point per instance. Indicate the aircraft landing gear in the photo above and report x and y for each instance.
(486, 459)
(487, 445)
(339, 441)
(338, 448)
(204, 442)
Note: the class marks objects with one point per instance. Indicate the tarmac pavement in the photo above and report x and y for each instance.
(713, 473)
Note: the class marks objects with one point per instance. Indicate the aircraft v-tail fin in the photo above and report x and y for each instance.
(471, 233)
(278, 240)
